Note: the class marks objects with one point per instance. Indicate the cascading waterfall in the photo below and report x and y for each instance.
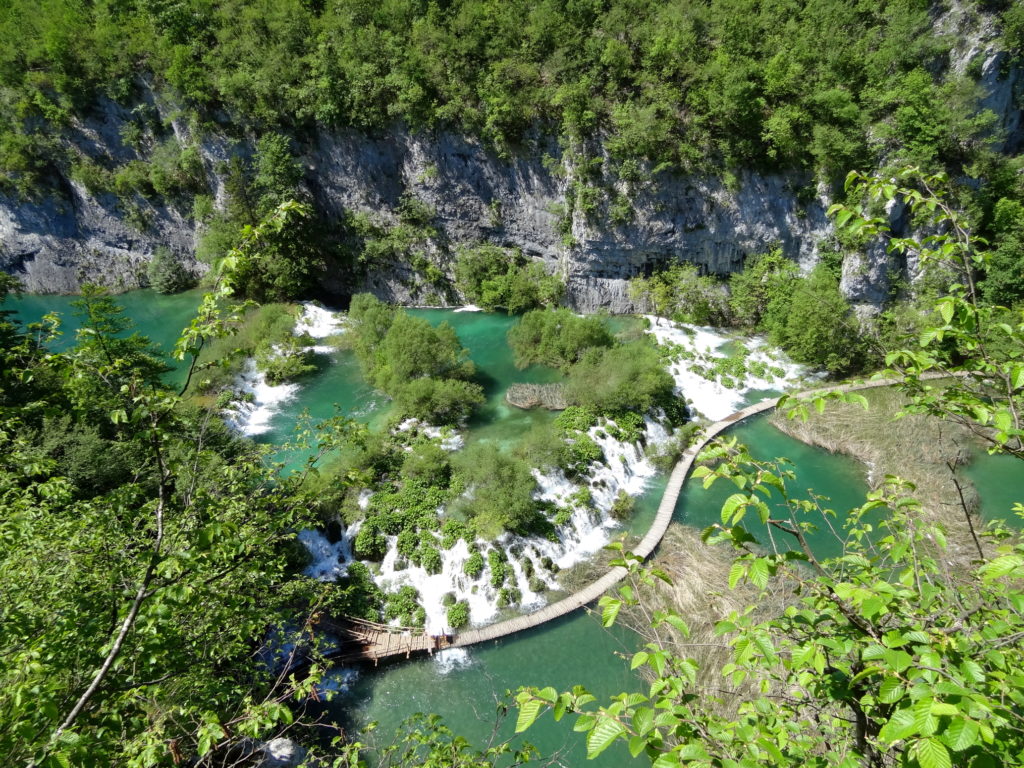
(709, 396)
(257, 402)
(584, 526)
(587, 530)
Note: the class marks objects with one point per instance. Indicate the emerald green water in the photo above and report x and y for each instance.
(159, 317)
(838, 477)
(575, 650)
(1000, 483)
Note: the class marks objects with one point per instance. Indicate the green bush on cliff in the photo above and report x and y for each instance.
(166, 273)
(500, 278)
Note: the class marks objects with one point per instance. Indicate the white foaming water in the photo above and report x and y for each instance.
(319, 323)
(252, 416)
(468, 308)
(450, 440)
(588, 529)
(451, 659)
(711, 398)
(330, 561)
(338, 680)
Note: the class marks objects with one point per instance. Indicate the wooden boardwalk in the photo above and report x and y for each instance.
(378, 646)
(361, 640)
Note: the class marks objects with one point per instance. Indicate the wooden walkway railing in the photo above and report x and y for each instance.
(647, 545)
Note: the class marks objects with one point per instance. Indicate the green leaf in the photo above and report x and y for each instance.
(1017, 377)
(946, 309)
(900, 725)
(890, 691)
(931, 753)
(960, 734)
(941, 708)
(759, 572)
(738, 570)
(643, 720)
(528, 712)
(610, 612)
(733, 503)
(637, 745)
(601, 737)
(1002, 566)
(584, 723)
(667, 760)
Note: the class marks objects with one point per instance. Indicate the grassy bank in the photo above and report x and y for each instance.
(699, 592)
(917, 448)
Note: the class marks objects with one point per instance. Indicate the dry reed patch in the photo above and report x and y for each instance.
(918, 448)
(700, 595)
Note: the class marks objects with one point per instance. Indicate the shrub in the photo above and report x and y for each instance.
(166, 273)
(622, 507)
(556, 337)
(682, 293)
(501, 489)
(500, 278)
(430, 559)
(474, 566)
(629, 377)
(458, 615)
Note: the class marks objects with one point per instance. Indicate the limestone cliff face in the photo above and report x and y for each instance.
(522, 203)
(56, 244)
(525, 202)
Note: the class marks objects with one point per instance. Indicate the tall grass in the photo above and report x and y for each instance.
(699, 593)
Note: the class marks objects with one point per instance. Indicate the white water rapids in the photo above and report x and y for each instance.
(587, 527)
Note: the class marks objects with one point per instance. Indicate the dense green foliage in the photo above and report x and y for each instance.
(681, 292)
(424, 369)
(264, 333)
(496, 278)
(1003, 280)
(556, 337)
(759, 295)
(627, 377)
(145, 552)
(166, 273)
(819, 328)
(501, 489)
(808, 317)
(748, 82)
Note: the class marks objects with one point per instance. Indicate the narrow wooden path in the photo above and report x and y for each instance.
(376, 646)
(361, 640)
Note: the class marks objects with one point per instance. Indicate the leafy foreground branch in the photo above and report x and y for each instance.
(886, 657)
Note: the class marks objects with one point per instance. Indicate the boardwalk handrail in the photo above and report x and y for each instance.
(666, 511)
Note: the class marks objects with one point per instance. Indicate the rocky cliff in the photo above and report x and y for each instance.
(528, 201)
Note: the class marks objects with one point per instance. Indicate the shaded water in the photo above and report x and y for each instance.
(1000, 483)
(838, 477)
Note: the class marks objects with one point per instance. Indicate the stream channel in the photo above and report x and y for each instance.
(464, 685)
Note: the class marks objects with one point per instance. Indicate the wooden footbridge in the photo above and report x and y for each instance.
(361, 640)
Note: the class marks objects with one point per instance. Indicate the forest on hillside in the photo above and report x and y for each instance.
(824, 85)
